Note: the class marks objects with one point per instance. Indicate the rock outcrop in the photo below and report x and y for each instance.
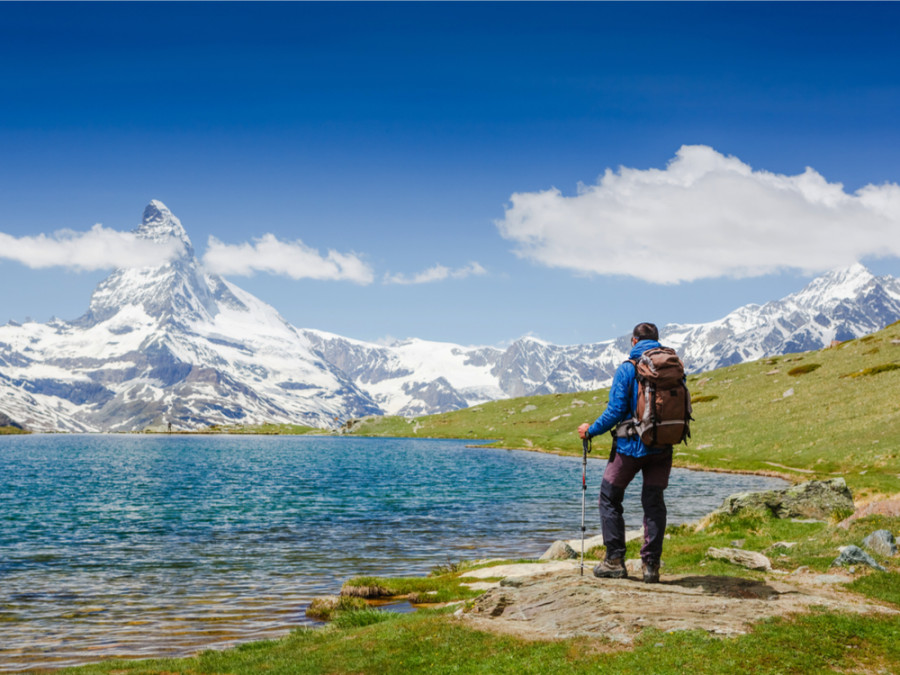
(563, 604)
(854, 555)
(816, 499)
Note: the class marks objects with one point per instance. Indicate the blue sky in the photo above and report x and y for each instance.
(398, 135)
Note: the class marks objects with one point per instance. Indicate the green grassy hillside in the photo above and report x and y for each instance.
(833, 412)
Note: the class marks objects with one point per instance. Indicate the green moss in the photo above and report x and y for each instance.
(437, 588)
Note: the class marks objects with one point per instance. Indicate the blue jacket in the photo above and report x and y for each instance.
(622, 403)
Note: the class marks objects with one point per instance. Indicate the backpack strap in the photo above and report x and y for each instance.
(626, 428)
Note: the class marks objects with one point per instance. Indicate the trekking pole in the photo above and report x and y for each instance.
(586, 448)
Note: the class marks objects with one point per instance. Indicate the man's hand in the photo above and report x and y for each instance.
(582, 430)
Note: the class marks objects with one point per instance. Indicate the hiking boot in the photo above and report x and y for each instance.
(651, 572)
(613, 568)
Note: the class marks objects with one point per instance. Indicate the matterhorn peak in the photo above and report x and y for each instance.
(159, 224)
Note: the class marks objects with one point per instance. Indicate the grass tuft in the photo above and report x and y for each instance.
(874, 370)
(804, 369)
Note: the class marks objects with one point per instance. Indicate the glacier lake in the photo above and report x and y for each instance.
(140, 546)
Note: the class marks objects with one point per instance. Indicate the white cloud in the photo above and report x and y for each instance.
(292, 259)
(98, 248)
(437, 273)
(704, 216)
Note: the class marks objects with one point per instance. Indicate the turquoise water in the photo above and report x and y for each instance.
(160, 546)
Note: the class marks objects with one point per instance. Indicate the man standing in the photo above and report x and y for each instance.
(630, 455)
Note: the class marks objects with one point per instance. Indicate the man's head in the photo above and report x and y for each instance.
(644, 331)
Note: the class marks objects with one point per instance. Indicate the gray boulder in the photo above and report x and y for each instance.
(816, 499)
(854, 555)
(881, 542)
(559, 550)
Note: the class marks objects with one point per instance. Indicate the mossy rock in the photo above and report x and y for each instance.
(815, 499)
(326, 607)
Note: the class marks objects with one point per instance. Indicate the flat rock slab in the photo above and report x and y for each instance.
(515, 572)
(562, 604)
(521, 569)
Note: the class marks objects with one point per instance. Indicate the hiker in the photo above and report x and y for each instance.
(631, 454)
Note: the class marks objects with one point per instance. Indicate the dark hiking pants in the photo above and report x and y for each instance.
(620, 471)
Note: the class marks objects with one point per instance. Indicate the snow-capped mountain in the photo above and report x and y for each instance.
(415, 377)
(418, 377)
(169, 344)
(174, 344)
(840, 305)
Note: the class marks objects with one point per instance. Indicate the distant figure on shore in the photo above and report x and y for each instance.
(640, 446)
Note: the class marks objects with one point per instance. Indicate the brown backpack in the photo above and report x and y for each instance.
(663, 412)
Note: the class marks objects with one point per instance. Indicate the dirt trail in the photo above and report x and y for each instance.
(561, 604)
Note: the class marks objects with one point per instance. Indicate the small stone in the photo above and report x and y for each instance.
(529, 408)
(559, 550)
(789, 392)
(784, 544)
(881, 542)
(739, 543)
(749, 559)
(801, 570)
(855, 555)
